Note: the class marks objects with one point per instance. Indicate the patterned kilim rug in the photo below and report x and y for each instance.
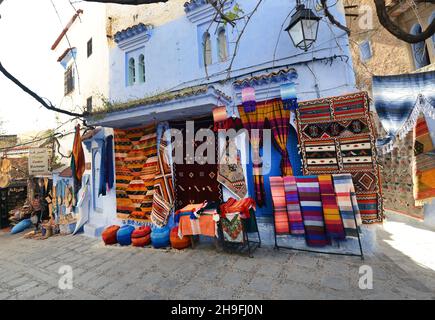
(195, 183)
(163, 200)
(336, 135)
(136, 168)
(424, 166)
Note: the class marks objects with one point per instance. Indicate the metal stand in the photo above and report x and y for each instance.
(361, 254)
(247, 245)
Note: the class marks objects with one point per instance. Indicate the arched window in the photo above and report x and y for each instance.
(207, 49)
(141, 68)
(222, 45)
(419, 50)
(131, 72)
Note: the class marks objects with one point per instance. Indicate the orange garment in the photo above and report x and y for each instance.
(242, 206)
(78, 156)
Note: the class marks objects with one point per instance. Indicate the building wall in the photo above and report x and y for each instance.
(173, 55)
(390, 55)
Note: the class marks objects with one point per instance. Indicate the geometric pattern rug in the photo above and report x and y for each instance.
(136, 168)
(336, 136)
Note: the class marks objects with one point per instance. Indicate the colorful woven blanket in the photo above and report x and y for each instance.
(282, 225)
(424, 164)
(399, 99)
(136, 168)
(163, 200)
(347, 203)
(311, 207)
(333, 222)
(293, 208)
(336, 136)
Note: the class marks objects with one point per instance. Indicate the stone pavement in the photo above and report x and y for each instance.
(29, 270)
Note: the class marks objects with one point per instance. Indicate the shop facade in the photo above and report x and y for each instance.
(178, 72)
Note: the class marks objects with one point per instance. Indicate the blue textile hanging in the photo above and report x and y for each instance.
(107, 171)
(288, 96)
(399, 100)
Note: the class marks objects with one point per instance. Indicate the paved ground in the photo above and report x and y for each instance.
(29, 269)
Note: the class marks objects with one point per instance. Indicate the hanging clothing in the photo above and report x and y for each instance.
(107, 171)
(77, 160)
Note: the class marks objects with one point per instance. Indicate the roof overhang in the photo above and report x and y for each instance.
(176, 109)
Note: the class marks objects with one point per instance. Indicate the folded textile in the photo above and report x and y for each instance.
(282, 225)
(333, 223)
(293, 208)
(232, 228)
(242, 206)
(311, 207)
(347, 203)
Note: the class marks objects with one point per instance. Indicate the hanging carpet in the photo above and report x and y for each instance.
(424, 164)
(336, 136)
(399, 100)
(163, 200)
(194, 182)
(136, 164)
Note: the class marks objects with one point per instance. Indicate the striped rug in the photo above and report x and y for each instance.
(282, 226)
(311, 207)
(347, 203)
(333, 222)
(293, 208)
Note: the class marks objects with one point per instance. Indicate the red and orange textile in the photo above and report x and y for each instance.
(192, 223)
(242, 206)
(336, 136)
(273, 114)
(77, 161)
(281, 220)
(424, 164)
(136, 164)
(333, 223)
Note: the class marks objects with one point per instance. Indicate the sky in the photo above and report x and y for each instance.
(28, 28)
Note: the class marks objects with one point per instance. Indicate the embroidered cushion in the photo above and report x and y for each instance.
(141, 232)
(160, 237)
(141, 242)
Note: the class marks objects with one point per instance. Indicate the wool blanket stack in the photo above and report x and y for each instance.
(294, 213)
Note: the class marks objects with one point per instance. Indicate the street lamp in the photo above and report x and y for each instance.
(303, 27)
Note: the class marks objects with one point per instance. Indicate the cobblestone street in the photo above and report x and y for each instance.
(29, 270)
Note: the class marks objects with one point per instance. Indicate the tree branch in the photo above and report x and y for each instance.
(332, 19)
(391, 27)
(37, 97)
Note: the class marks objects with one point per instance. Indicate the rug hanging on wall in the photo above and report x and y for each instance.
(336, 135)
(136, 164)
(163, 200)
(194, 182)
(424, 164)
